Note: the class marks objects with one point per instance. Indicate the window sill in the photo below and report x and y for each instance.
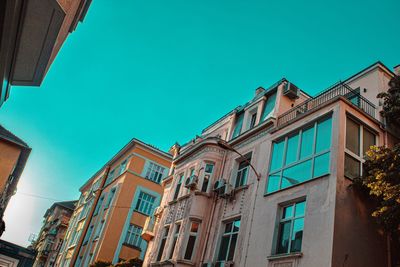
(241, 188)
(131, 246)
(293, 186)
(285, 256)
(178, 199)
(201, 193)
(187, 262)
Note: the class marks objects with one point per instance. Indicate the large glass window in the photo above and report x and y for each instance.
(133, 236)
(228, 242)
(96, 211)
(291, 225)
(194, 229)
(145, 203)
(110, 198)
(175, 239)
(162, 243)
(300, 156)
(358, 141)
(110, 177)
(155, 172)
(122, 167)
(238, 125)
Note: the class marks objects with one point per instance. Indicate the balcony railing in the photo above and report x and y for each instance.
(148, 228)
(338, 90)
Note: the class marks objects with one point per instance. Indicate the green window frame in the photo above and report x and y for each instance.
(300, 156)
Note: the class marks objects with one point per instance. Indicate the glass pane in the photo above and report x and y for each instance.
(369, 140)
(273, 182)
(209, 168)
(228, 227)
(287, 212)
(194, 228)
(189, 247)
(292, 147)
(223, 249)
(297, 235)
(352, 136)
(268, 107)
(236, 226)
(296, 174)
(324, 132)
(277, 155)
(321, 165)
(283, 238)
(307, 143)
(351, 167)
(232, 247)
(300, 209)
(238, 125)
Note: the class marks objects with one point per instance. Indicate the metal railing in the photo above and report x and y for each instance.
(337, 90)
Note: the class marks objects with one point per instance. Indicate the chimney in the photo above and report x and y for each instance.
(397, 70)
(259, 90)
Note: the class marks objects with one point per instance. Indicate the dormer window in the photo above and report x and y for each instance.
(238, 125)
(268, 107)
(253, 119)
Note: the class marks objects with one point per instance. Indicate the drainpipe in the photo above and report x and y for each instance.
(90, 216)
(214, 204)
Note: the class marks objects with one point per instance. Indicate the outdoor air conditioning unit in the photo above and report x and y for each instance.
(191, 181)
(219, 186)
(291, 90)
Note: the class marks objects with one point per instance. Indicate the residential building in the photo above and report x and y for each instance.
(31, 34)
(13, 156)
(269, 183)
(12, 255)
(113, 207)
(52, 234)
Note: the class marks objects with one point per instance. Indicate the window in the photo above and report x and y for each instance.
(291, 225)
(162, 243)
(238, 125)
(300, 156)
(358, 141)
(122, 167)
(110, 198)
(178, 186)
(99, 229)
(268, 107)
(155, 172)
(133, 236)
(241, 175)
(96, 184)
(145, 204)
(88, 234)
(110, 177)
(228, 242)
(194, 230)
(175, 239)
(253, 120)
(208, 170)
(96, 211)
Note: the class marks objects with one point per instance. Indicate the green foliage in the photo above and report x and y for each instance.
(382, 179)
(391, 102)
(101, 263)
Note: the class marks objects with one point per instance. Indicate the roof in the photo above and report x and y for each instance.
(128, 146)
(377, 64)
(9, 136)
(70, 205)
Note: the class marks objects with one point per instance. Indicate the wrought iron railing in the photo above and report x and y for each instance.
(338, 90)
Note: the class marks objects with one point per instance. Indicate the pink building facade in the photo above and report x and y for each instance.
(269, 183)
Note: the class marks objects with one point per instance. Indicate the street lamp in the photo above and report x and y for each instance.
(224, 144)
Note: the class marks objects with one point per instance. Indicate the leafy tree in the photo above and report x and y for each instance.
(391, 102)
(134, 262)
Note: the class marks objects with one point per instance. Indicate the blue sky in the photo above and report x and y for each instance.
(163, 70)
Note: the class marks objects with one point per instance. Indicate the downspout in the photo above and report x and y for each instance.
(214, 204)
(90, 216)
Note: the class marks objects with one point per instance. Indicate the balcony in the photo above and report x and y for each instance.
(336, 91)
(148, 228)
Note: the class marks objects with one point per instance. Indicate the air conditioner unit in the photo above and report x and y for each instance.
(191, 181)
(219, 185)
(226, 191)
(229, 264)
(291, 90)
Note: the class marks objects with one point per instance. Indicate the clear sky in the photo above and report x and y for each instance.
(163, 70)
